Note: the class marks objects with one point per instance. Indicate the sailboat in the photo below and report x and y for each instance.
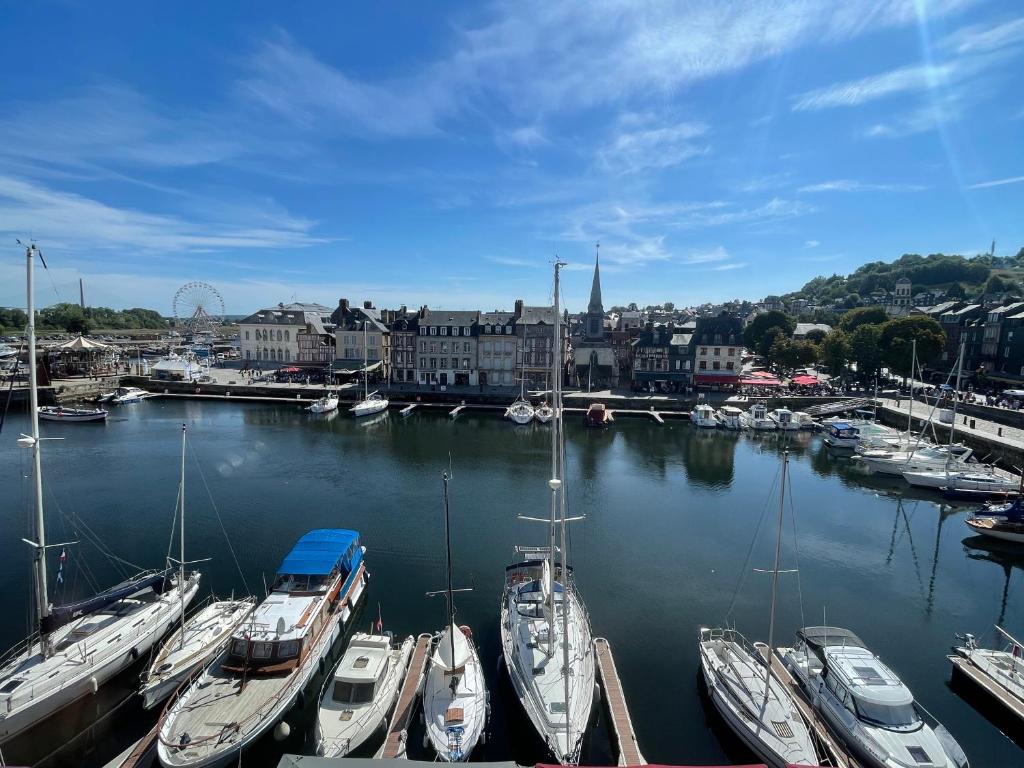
(195, 641)
(521, 411)
(372, 402)
(455, 701)
(80, 646)
(545, 632)
(999, 671)
(326, 404)
(757, 706)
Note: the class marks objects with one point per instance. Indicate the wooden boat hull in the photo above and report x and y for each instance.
(995, 529)
(71, 414)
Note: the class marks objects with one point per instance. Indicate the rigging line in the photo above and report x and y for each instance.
(77, 522)
(220, 520)
(796, 553)
(750, 549)
(174, 523)
(10, 389)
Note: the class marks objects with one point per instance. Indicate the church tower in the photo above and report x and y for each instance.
(594, 326)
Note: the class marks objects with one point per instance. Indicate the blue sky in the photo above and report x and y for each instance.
(442, 153)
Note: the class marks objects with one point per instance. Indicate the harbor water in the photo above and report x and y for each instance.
(679, 528)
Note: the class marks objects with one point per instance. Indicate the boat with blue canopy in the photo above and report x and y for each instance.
(271, 657)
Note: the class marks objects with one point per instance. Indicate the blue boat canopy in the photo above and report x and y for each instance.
(320, 551)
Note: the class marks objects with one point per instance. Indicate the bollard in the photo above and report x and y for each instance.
(972, 423)
(1000, 431)
(965, 421)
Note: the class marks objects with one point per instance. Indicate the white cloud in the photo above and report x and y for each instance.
(854, 92)
(997, 182)
(654, 147)
(811, 243)
(704, 257)
(729, 267)
(525, 136)
(80, 223)
(848, 185)
(979, 38)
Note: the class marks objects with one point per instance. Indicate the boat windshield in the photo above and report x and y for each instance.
(887, 715)
(353, 693)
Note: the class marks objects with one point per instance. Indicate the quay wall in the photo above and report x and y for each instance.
(988, 447)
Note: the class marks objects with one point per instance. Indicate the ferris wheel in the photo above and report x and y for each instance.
(198, 308)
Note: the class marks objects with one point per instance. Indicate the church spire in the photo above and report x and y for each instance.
(596, 306)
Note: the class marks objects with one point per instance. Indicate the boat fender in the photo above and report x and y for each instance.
(94, 684)
(321, 663)
(301, 699)
(426, 741)
(134, 652)
(281, 731)
(597, 693)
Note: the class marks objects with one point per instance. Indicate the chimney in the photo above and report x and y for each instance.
(403, 310)
(519, 309)
(423, 311)
(367, 305)
(343, 305)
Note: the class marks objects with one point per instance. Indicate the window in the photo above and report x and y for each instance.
(487, 328)
(423, 330)
(455, 331)
(729, 366)
(352, 693)
(247, 354)
(433, 346)
(465, 362)
(262, 650)
(287, 355)
(732, 351)
(885, 715)
(508, 330)
(433, 362)
(423, 362)
(286, 336)
(703, 365)
(703, 350)
(465, 331)
(444, 362)
(444, 347)
(433, 330)
(717, 366)
(279, 334)
(465, 346)
(238, 647)
(718, 351)
(287, 648)
(423, 346)
(444, 330)
(246, 335)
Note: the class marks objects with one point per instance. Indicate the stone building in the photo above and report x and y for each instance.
(404, 331)
(354, 329)
(662, 358)
(900, 302)
(499, 349)
(447, 348)
(270, 335)
(593, 354)
(718, 350)
(535, 327)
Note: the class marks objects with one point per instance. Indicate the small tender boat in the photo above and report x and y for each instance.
(756, 418)
(544, 413)
(1005, 522)
(60, 413)
(191, 646)
(865, 704)
(731, 417)
(703, 415)
(373, 403)
(358, 698)
(841, 436)
(326, 404)
(597, 415)
(1002, 670)
(125, 395)
(783, 418)
(520, 412)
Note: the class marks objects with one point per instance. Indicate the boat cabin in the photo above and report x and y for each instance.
(841, 430)
(361, 673)
(309, 582)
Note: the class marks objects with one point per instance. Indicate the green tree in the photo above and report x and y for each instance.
(862, 316)
(956, 291)
(769, 341)
(866, 352)
(805, 352)
(781, 353)
(834, 351)
(669, 306)
(897, 342)
(816, 335)
(756, 330)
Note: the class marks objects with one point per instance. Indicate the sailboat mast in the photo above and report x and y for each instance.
(448, 555)
(775, 577)
(956, 393)
(366, 381)
(913, 366)
(555, 483)
(39, 558)
(181, 554)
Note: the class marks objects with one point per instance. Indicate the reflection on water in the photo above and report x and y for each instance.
(670, 515)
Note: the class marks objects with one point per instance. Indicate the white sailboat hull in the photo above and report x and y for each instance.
(324, 405)
(108, 652)
(454, 738)
(369, 407)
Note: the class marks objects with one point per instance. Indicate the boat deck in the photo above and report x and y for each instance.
(840, 758)
(629, 750)
(394, 742)
(986, 683)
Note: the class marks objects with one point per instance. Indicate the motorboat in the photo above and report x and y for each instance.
(75, 648)
(784, 421)
(1004, 522)
(190, 646)
(520, 412)
(704, 416)
(7, 352)
(737, 400)
(731, 417)
(271, 658)
(60, 413)
(804, 420)
(757, 706)
(868, 708)
(841, 436)
(455, 700)
(987, 480)
(1000, 672)
(757, 419)
(544, 413)
(326, 404)
(126, 395)
(373, 403)
(926, 457)
(546, 641)
(598, 415)
(359, 696)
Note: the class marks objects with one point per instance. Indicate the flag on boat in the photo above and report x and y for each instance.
(380, 622)
(60, 565)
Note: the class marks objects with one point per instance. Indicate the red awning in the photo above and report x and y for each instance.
(716, 378)
(760, 383)
(805, 381)
(293, 369)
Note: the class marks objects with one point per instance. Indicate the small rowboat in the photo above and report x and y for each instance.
(60, 413)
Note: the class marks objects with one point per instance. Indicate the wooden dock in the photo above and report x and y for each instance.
(840, 758)
(983, 681)
(629, 750)
(657, 416)
(457, 410)
(407, 410)
(398, 729)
